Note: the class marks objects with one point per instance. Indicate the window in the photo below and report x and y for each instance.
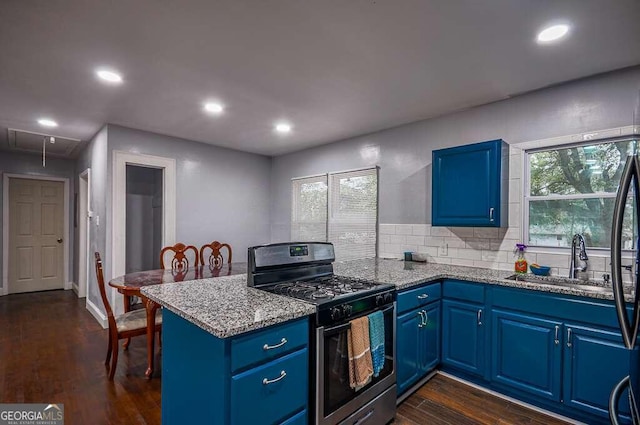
(309, 215)
(572, 190)
(341, 208)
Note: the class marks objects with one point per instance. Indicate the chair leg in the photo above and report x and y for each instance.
(109, 348)
(114, 360)
(126, 343)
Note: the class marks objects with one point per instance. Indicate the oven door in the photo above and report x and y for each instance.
(335, 399)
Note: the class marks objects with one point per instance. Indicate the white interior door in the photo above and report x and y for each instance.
(36, 232)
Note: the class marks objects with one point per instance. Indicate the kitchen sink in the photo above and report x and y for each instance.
(588, 286)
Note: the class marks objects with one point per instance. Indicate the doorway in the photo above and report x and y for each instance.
(118, 250)
(143, 218)
(36, 234)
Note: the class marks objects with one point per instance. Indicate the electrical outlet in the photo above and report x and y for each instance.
(444, 249)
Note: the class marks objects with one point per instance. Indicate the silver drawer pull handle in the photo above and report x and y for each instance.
(283, 341)
(569, 337)
(490, 214)
(266, 381)
(556, 340)
(423, 296)
(421, 324)
(479, 317)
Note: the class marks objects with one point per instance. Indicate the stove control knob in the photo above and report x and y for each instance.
(379, 300)
(388, 297)
(336, 313)
(347, 310)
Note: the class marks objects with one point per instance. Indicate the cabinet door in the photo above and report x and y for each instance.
(466, 183)
(595, 361)
(430, 338)
(527, 353)
(408, 349)
(463, 341)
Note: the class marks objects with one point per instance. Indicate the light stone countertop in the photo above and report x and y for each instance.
(407, 274)
(225, 306)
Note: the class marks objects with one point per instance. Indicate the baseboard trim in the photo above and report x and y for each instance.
(512, 400)
(4, 291)
(68, 285)
(408, 393)
(97, 314)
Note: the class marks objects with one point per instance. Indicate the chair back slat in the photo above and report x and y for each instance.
(180, 261)
(215, 259)
(102, 288)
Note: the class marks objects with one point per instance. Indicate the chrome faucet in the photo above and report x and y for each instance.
(577, 240)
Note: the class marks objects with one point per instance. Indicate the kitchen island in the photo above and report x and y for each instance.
(227, 346)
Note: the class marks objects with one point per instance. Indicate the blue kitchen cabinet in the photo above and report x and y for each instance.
(595, 360)
(526, 353)
(261, 377)
(463, 336)
(418, 334)
(470, 185)
(408, 333)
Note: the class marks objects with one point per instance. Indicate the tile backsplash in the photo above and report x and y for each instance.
(483, 246)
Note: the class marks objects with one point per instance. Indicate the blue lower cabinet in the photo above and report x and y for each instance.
(259, 395)
(595, 361)
(200, 383)
(431, 337)
(408, 349)
(526, 353)
(417, 345)
(297, 419)
(463, 338)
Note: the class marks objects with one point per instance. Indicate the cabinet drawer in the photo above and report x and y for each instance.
(256, 401)
(464, 291)
(414, 298)
(267, 344)
(298, 419)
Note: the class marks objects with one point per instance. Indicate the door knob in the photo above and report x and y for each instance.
(59, 240)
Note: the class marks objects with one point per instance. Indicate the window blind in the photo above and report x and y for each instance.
(309, 209)
(353, 213)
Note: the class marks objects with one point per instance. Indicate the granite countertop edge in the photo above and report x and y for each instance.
(224, 323)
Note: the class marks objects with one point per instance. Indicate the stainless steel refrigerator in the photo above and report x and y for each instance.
(628, 313)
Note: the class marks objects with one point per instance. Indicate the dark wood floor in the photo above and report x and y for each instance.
(52, 351)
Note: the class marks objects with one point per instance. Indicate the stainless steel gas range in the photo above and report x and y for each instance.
(304, 270)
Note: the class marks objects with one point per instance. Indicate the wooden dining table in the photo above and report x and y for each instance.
(129, 285)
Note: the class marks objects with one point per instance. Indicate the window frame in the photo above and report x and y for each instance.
(526, 188)
(329, 204)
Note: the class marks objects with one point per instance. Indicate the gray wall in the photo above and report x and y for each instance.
(18, 163)
(222, 194)
(94, 156)
(144, 218)
(404, 153)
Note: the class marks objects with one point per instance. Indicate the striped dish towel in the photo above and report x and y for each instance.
(376, 335)
(359, 348)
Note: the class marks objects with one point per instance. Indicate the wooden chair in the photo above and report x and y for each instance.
(216, 260)
(130, 324)
(180, 262)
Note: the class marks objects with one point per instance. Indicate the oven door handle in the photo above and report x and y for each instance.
(339, 328)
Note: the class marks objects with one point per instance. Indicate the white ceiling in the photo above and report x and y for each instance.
(333, 68)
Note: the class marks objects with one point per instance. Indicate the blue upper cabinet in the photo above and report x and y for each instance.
(470, 185)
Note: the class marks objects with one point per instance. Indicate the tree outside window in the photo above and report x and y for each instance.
(572, 190)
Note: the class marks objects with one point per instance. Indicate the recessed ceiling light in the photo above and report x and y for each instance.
(552, 33)
(47, 122)
(283, 127)
(109, 76)
(214, 107)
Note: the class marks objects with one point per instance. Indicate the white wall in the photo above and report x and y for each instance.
(404, 156)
